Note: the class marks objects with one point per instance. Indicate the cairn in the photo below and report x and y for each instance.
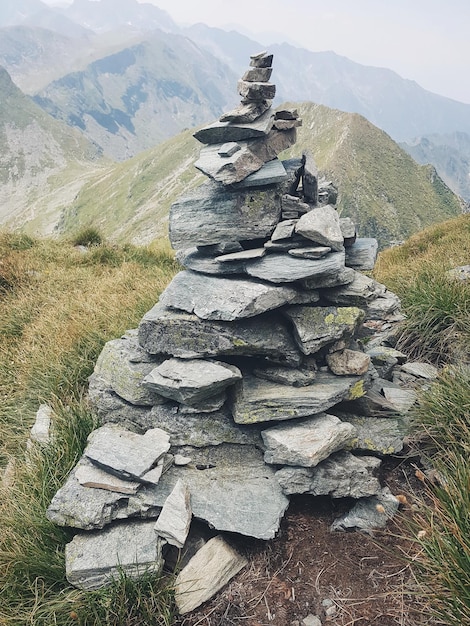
(248, 381)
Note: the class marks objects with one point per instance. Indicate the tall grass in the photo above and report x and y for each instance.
(58, 306)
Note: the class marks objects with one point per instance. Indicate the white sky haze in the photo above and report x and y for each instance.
(423, 40)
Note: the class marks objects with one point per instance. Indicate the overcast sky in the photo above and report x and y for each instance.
(424, 40)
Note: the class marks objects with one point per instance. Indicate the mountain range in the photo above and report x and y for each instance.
(117, 80)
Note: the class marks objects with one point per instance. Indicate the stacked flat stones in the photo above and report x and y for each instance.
(242, 385)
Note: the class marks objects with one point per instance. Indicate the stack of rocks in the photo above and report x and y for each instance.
(240, 384)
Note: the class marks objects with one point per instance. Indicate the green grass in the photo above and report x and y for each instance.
(58, 306)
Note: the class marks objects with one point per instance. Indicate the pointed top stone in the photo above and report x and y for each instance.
(261, 59)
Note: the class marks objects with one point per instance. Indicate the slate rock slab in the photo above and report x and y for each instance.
(369, 513)
(256, 400)
(195, 259)
(212, 214)
(191, 380)
(342, 475)
(185, 335)
(224, 299)
(362, 254)
(221, 132)
(270, 173)
(306, 442)
(124, 453)
(296, 377)
(93, 560)
(348, 362)
(210, 569)
(377, 435)
(175, 517)
(360, 292)
(322, 226)
(284, 268)
(228, 169)
(318, 326)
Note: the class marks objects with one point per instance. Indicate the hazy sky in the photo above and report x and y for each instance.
(423, 40)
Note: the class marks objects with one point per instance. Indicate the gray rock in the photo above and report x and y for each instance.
(289, 376)
(270, 173)
(222, 132)
(284, 230)
(210, 569)
(257, 400)
(231, 487)
(228, 169)
(342, 475)
(41, 429)
(256, 91)
(212, 214)
(310, 180)
(377, 435)
(421, 370)
(311, 620)
(385, 307)
(401, 399)
(348, 228)
(369, 514)
(261, 59)
(459, 273)
(246, 112)
(194, 259)
(306, 442)
(295, 205)
(362, 254)
(94, 560)
(286, 114)
(122, 365)
(316, 326)
(126, 454)
(322, 226)
(283, 268)
(224, 299)
(187, 336)
(244, 255)
(200, 430)
(286, 124)
(360, 292)
(191, 380)
(258, 74)
(229, 148)
(316, 252)
(348, 362)
(206, 405)
(380, 354)
(175, 517)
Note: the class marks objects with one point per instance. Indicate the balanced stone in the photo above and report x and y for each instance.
(359, 292)
(255, 400)
(185, 335)
(256, 91)
(95, 560)
(191, 380)
(244, 255)
(258, 74)
(224, 299)
(342, 475)
(283, 268)
(284, 230)
(207, 572)
(348, 227)
(316, 252)
(271, 173)
(322, 226)
(344, 276)
(246, 112)
(362, 254)
(261, 59)
(175, 518)
(211, 214)
(315, 327)
(221, 132)
(306, 442)
(126, 454)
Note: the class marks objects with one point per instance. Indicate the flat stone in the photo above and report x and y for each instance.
(185, 335)
(191, 380)
(341, 475)
(261, 59)
(270, 173)
(421, 370)
(258, 74)
(224, 247)
(175, 517)
(206, 405)
(256, 90)
(386, 307)
(348, 227)
(362, 254)
(182, 460)
(201, 430)
(401, 399)
(322, 226)
(212, 214)
(229, 148)
(344, 276)
(306, 442)
(210, 569)
(224, 299)
(286, 114)
(313, 252)
(348, 362)
(244, 255)
(194, 259)
(246, 112)
(256, 400)
(222, 132)
(231, 487)
(316, 326)
(89, 475)
(360, 292)
(231, 168)
(377, 435)
(122, 366)
(380, 354)
(94, 560)
(283, 245)
(293, 203)
(124, 453)
(284, 230)
(286, 124)
(369, 513)
(283, 268)
(294, 377)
